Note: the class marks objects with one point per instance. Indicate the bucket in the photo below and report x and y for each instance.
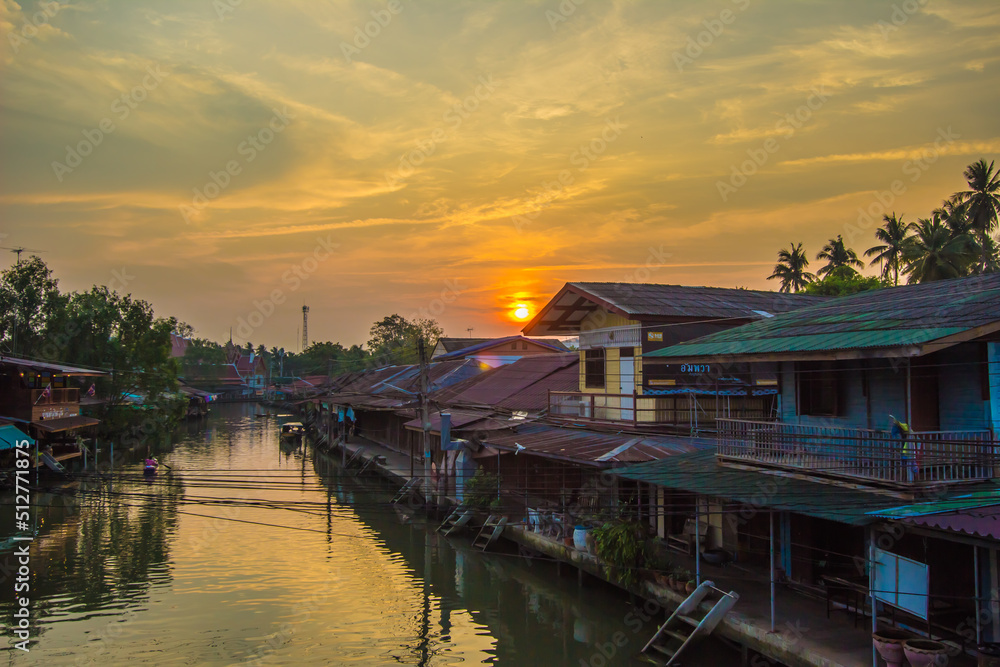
(580, 538)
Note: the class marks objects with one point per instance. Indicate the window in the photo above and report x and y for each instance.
(819, 389)
(593, 369)
(524, 345)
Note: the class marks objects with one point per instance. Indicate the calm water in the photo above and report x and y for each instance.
(245, 553)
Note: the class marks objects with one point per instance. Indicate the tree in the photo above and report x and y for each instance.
(837, 255)
(983, 202)
(393, 339)
(934, 252)
(791, 269)
(31, 309)
(121, 335)
(890, 253)
(843, 281)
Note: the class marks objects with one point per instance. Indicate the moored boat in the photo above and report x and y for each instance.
(292, 430)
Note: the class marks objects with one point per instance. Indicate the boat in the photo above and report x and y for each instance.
(292, 430)
(150, 466)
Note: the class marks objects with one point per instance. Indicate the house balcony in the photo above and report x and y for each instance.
(925, 458)
(682, 411)
(627, 336)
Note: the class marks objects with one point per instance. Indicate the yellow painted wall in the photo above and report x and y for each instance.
(601, 319)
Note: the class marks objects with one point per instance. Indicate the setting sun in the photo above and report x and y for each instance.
(521, 312)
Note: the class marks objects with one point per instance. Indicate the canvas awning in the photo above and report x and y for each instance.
(10, 435)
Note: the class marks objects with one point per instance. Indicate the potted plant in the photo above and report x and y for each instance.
(923, 652)
(889, 644)
(681, 576)
(622, 550)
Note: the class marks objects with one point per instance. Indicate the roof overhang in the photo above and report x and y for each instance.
(45, 367)
(565, 312)
(65, 424)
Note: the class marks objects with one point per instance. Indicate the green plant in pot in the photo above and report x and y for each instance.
(621, 549)
(481, 490)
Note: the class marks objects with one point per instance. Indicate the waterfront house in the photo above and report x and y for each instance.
(43, 399)
(618, 324)
(883, 399)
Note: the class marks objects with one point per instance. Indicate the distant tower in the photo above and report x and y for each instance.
(305, 327)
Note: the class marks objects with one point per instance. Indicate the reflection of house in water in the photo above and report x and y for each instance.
(43, 400)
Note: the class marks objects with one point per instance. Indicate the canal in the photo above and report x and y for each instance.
(246, 552)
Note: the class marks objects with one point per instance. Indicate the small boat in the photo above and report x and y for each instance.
(150, 466)
(292, 430)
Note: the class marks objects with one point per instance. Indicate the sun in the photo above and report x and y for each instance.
(521, 312)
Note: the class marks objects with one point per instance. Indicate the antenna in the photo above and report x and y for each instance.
(19, 250)
(305, 327)
(470, 332)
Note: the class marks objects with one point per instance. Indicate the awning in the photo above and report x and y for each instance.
(976, 514)
(701, 473)
(65, 424)
(10, 435)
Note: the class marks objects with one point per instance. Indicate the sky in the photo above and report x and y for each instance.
(230, 161)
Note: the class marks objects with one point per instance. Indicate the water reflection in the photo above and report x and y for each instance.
(242, 553)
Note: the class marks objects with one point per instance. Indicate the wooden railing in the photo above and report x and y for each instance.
(66, 395)
(921, 458)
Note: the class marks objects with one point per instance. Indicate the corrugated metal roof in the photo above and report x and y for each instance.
(701, 473)
(983, 522)
(591, 447)
(965, 501)
(47, 367)
(510, 381)
(553, 345)
(10, 435)
(885, 318)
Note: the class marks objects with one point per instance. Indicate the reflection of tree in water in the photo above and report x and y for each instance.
(122, 539)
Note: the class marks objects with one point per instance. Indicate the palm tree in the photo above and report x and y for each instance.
(893, 237)
(791, 269)
(935, 253)
(983, 201)
(837, 255)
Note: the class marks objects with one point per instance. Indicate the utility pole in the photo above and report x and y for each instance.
(425, 418)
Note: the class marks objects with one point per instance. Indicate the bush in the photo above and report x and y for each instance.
(622, 548)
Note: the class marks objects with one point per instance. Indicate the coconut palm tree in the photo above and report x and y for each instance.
(893, 235)
(837, 255)
(934, 252)
(791, 269)
(983, 202)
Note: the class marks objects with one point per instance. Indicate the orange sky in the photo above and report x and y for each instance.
(230, 161)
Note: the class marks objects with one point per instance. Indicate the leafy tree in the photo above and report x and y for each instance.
(791, 269)
(983, 204)
(842, 281)
(393, 339)
(30, 309)
(936, 253)
(837, 255)
(889, 254)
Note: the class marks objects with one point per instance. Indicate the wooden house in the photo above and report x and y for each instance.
(494, 352)
(618, 324)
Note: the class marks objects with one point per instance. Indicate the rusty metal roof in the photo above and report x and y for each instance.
(522, 385)
(47, 367)
(591, 447)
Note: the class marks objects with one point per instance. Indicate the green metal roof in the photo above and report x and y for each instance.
(887, 318)
(968, 501)
(699, 472)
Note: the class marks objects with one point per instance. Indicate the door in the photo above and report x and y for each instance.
(626, 380)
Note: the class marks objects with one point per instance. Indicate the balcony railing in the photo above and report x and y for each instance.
(627, 336)
(877, 456)
(66, 395)
(681, 410)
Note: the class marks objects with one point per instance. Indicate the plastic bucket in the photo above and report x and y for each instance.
(580, 538)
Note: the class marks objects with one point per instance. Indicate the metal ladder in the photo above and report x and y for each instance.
(457, 520)
(411, 487)
(685, 627)
(490, 531)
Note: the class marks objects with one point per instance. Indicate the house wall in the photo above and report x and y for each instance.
(873, 389)
(993, 362)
